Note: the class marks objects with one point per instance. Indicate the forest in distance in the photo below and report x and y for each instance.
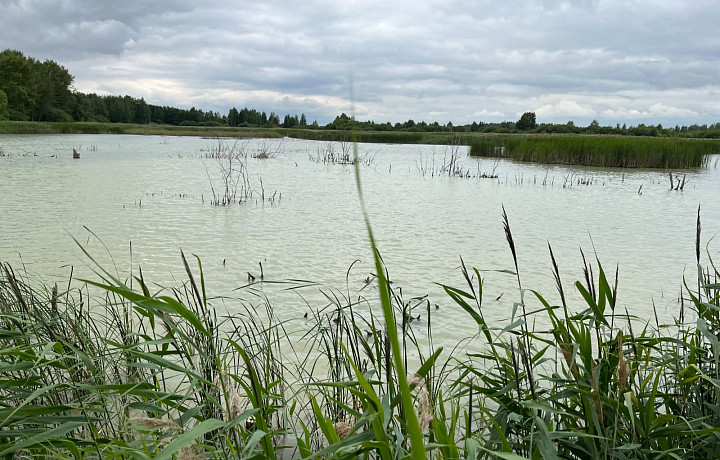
(34, 90)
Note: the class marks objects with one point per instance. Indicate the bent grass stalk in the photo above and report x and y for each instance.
(413, 426)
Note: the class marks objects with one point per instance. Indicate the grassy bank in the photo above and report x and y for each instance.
(19, 127)
(113, 371)
(603, 151)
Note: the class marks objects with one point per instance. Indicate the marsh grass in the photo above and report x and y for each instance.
(603, 151)
(268, 149)
(231, 161)
(110, 371)
(128, 369)
(341, 153)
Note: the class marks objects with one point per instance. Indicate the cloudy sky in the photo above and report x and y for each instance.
(617, 61)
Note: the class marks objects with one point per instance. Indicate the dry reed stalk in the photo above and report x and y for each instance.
(424, 407)
(342, 429)
(166, 425)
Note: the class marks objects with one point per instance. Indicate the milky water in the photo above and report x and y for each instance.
(138, 200)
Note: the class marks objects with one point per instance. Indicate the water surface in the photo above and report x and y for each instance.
(137, 201)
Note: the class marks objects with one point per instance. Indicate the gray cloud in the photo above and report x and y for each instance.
(614, 60)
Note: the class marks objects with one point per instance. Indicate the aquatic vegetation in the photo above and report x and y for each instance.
(588, 150)
(603, 151)
(268, 149)
(113, 369)
(124, 368)
(235, 185)
(340, 153)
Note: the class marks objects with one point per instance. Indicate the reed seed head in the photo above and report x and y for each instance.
(188, 453)
(566, 350)
(165, 425)
(424, 408)
(234, 406)
(622, 365)
(342, 429)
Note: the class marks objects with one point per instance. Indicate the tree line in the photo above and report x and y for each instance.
(527, 124)
(33, 90)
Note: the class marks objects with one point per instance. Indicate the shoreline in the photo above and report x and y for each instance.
(580, 149)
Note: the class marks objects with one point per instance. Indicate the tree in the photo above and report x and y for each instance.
(342, 121)
(158, 114)
(4, 112)
(51, 84)
(35, 90)
(142, 112)
(14, 75)
(303, 120)
(233, 117)
(273, 119)
(526, 122)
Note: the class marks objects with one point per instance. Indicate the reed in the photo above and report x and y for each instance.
(107, 370)
(113, 369)
(340, 153)
(602, 151)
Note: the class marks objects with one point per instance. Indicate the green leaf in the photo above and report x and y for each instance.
(189, 437)
(42, 438)
(253, 442)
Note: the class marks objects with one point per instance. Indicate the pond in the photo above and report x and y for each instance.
(138, 200)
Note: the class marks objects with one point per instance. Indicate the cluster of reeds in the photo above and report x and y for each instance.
(115, 370)
(451, 165)
(603, 151)
(340, 153)
(235, 185)
(268, 149)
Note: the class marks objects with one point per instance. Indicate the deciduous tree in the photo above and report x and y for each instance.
(4, 113)
(526, 122)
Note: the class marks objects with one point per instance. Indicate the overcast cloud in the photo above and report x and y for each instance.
(641, 61)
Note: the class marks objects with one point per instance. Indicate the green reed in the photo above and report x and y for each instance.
(602, 151)
(112, 371)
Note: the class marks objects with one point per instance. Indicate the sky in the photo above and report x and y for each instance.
(629, 61)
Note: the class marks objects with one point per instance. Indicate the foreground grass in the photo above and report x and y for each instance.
(159, 374)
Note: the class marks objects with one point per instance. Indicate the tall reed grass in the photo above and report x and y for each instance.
(603, 151)
(126, 369)
(106, 370)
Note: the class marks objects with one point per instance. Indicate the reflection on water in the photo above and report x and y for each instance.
(136, 201)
